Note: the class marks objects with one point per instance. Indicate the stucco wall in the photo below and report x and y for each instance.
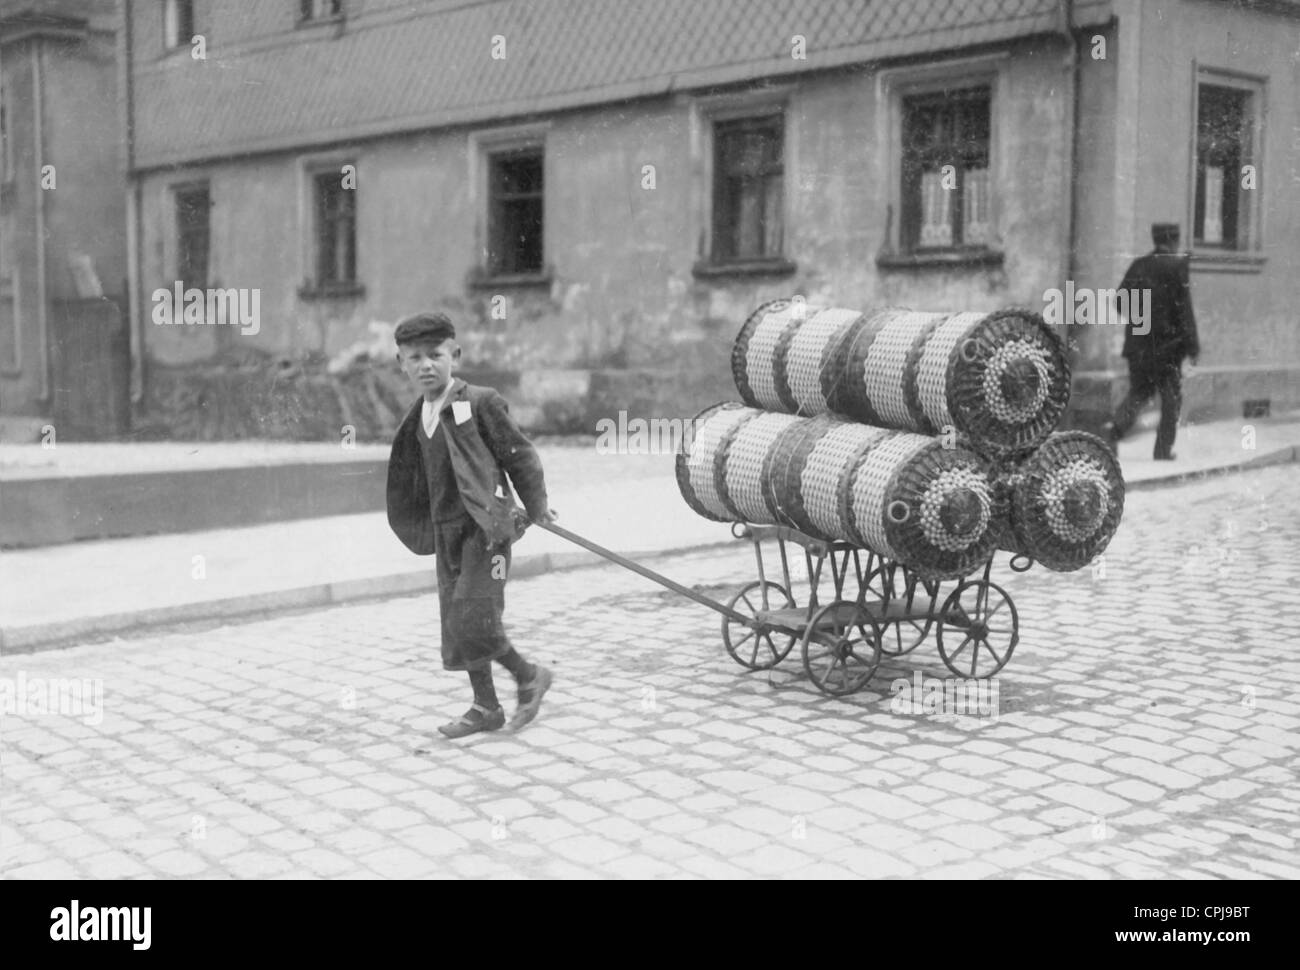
(19, 391)
(86, 213)
(623, 300)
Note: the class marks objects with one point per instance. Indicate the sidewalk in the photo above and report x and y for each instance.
(629, 503)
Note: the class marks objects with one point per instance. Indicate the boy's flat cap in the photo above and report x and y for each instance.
(424, 326)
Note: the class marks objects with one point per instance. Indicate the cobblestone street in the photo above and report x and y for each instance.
(1147, 726)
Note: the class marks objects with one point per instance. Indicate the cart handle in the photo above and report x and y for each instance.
(650, 574)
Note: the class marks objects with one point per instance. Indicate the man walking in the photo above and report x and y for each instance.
(1155, 353)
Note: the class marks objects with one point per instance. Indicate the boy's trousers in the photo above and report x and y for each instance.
(471, 595)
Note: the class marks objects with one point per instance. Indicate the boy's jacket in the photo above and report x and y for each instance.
(483, 449)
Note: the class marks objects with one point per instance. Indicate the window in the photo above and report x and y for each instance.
(336, 232)
(178, 22)
(946, 189)
(6, 142)
(748, 189)
(319, 9)
(1223, 121)
(515, 212)
(9, 358)
(193, 207)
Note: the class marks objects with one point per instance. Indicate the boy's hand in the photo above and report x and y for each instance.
(548, 517)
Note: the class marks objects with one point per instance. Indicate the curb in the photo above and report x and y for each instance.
(49, 636)
(63, 633)
(1281, 456)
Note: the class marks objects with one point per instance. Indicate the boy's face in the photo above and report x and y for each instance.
(429, 365)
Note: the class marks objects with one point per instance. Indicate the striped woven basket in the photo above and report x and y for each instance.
(1002, 379)
(904, 496)
(1065, 502)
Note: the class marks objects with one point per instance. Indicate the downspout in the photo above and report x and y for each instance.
(1069, 247)
(1072, 138)
(127, 111)
(42, 311)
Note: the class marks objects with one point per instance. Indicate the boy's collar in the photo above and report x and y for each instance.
(456, 391)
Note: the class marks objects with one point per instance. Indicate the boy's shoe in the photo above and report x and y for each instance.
(530, 698)
(476, 719)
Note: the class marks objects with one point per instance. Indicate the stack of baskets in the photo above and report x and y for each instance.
(925, 437)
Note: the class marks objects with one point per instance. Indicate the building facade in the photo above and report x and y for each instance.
(600, 193)
(63, 337)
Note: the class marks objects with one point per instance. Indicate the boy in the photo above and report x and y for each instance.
(448, 495)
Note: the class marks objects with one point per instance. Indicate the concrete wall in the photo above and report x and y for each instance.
(83, 133)
(1249, 328)
(84, 212)
(20, 390)
(624, 321)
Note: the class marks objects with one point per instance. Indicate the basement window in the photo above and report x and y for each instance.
(316, 11)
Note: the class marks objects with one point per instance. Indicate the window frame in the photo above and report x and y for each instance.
(311, 169)
(7, 163)
(894, 87)
(911, 218)
(722, 256)
(482, 147)
(499, 200)
(178, 190)
(1247, 253)
(707, 113)
(11, 289)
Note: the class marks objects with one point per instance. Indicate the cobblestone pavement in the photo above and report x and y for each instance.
(1147, 726)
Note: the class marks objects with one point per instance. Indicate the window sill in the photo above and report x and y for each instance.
(943, 258)
(332, 291)
(483, 280)
(751, 267)
(1227, 262)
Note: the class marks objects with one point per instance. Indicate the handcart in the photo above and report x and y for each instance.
(857, 608)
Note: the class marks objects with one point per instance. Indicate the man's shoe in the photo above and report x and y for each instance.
(530, 698)
(476, 719)
(1169, 457)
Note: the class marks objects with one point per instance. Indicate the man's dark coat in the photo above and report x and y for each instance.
(1173, 325)
(483, 450)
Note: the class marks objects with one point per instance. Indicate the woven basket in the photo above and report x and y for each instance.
(1066, 501)
(904, 496)
(782, 359)
(696, 466)
(1000, 379)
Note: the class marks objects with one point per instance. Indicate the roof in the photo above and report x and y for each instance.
(422, 66)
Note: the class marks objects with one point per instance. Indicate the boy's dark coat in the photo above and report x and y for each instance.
(483, 449)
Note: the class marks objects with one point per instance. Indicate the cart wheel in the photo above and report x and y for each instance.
(894, 583)
(841, 648)
(756, 648)
(978, 629)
